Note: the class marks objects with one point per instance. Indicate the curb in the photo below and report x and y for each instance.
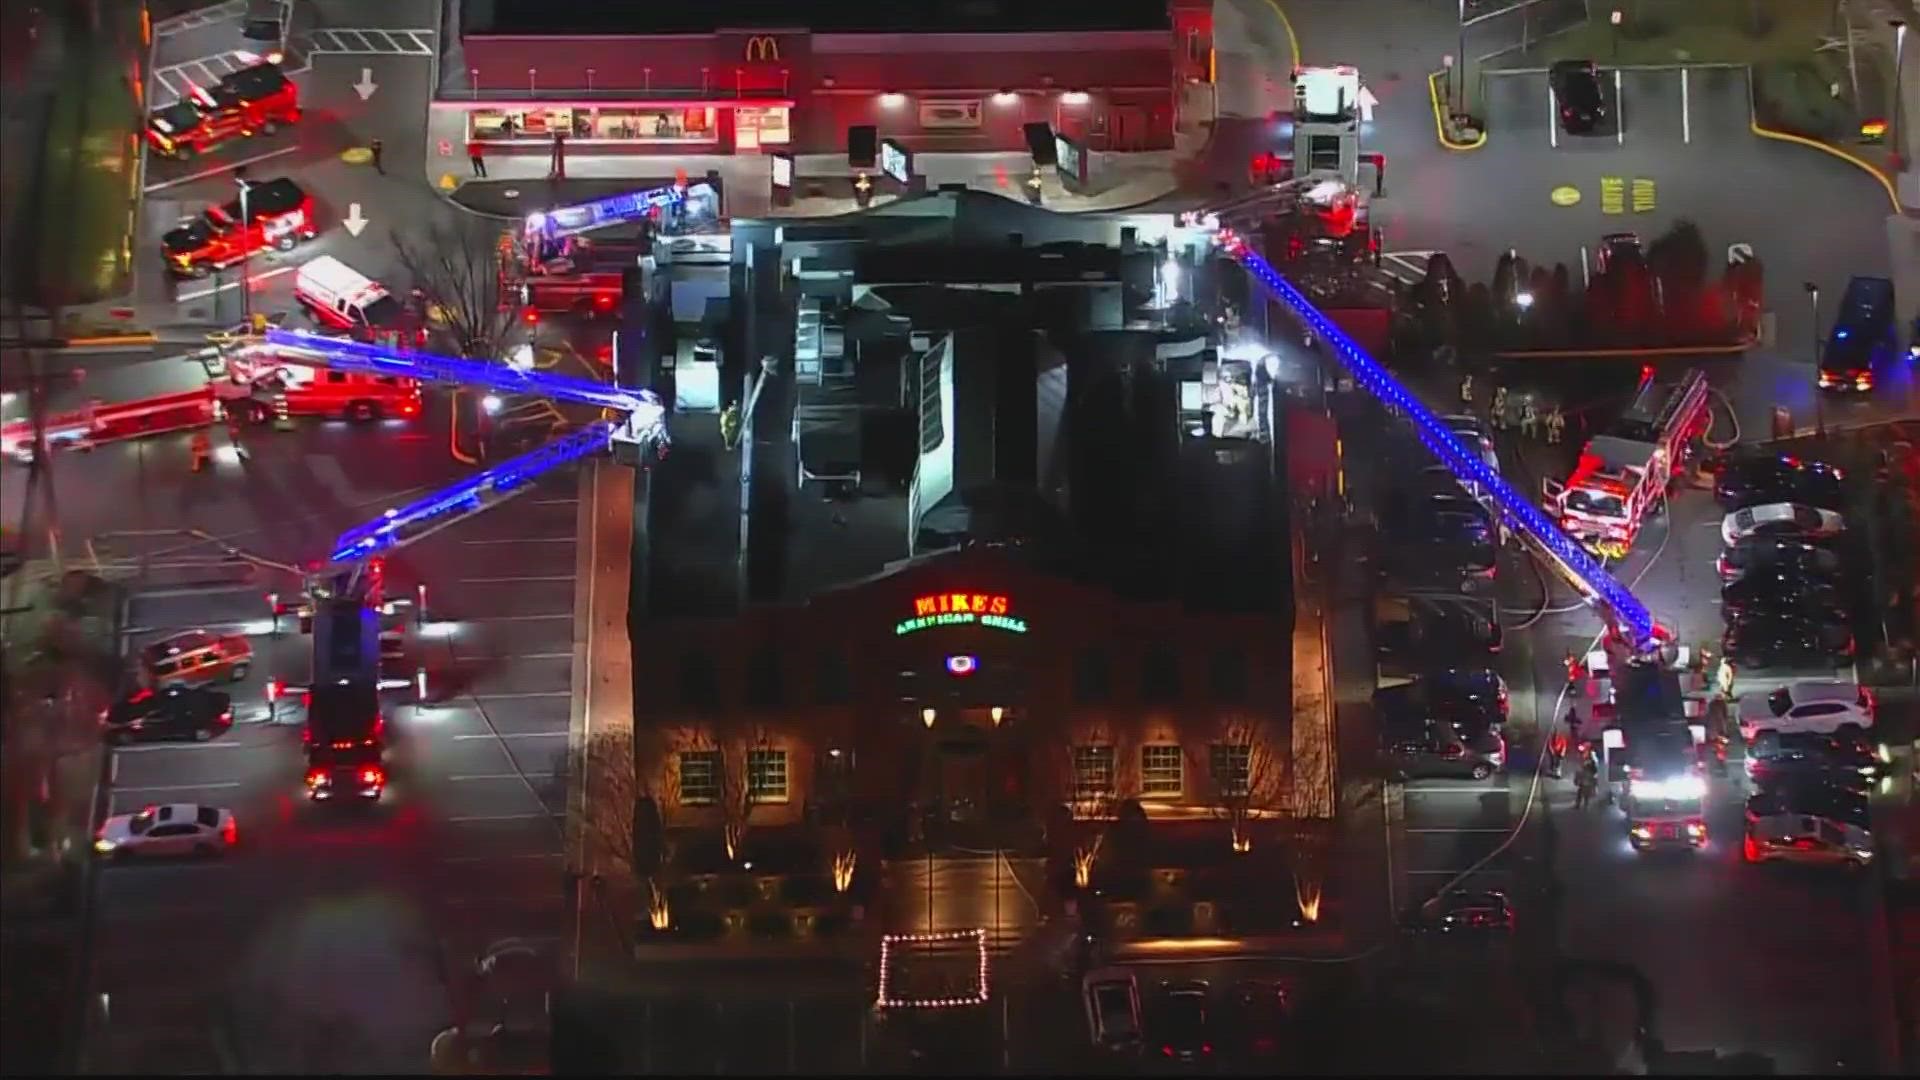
(1734, 349)
(1439, 123)
(1871, 169)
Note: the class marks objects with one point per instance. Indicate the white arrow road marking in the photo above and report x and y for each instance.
(366, 86)
(354, 222)
(1367, 102)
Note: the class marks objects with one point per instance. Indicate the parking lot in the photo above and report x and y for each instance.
(354, 920)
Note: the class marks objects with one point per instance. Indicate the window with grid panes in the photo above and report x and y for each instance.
(767, 775)
(1232, 767)
(699, 777)
(1092, 771)
(1160, 772)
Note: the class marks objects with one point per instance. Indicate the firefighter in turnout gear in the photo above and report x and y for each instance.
(730, 424)
(1499, 408)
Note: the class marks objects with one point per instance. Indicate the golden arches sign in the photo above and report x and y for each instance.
(762, 48)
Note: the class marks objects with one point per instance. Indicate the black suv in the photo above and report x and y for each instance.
(1784, 640)
(1576, 90)
(1760, 478)
(1780, 593)
(179, 712)
(1774, 555)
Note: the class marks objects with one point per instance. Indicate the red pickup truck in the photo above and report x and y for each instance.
(279, 214)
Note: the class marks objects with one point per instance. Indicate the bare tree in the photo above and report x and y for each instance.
(1244, 775)
(1094, 800)
(736, 794)
(457, 268)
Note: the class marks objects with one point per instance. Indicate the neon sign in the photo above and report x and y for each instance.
(961, 609)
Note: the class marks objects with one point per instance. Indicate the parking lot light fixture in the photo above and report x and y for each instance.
(1899, 125)
(1614, 20)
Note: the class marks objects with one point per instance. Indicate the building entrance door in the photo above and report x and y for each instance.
(962, 786)
(1127, 127)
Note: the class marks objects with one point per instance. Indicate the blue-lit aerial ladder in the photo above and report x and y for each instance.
(1621, 609)
(552, 226)
(633, 428)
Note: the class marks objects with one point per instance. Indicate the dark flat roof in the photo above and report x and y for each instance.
(537, 17)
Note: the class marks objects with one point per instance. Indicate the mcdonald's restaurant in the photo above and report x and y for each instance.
(647, 79)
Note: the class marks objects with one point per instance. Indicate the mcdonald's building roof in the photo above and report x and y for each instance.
(575, 17)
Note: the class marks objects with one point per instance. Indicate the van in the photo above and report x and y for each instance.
(1865, 337)
(195, 658)
(342, 298)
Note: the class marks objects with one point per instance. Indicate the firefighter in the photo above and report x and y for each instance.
(1499, 418)
(201, 448)
(1466, 390)
(1529, 418)
(1723, 678)
(1556, 426)
(375, 147)
(233, 437)
(477, 157)
(730, 424)
(1576, 670)
(1585, 781)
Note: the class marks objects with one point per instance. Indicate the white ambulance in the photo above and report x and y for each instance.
(342, 298)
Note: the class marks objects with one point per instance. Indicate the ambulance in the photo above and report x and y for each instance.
(342, 298)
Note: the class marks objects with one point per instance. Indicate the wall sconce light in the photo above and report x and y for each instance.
(1006, 97)
(927, 715)
(998, 715)
(1075, 97)
(893, 99)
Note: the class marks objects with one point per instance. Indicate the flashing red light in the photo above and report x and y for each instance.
(529, 316)
(316, 777)
(140, 697)
(1646, 374)
(370, 776)
(274, 689)
(603, 301)
(1167, 1050)
(231, 832)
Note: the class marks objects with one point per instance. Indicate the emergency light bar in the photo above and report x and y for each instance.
(469, 496)
(1573, 561)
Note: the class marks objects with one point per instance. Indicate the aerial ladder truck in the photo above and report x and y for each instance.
(549, 265)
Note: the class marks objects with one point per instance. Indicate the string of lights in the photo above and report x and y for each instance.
(983, 988)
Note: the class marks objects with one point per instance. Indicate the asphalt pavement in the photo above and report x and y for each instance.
(360, 919)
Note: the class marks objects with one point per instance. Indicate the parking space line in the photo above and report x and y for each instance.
(507, 580)
(1553, 118)
(471, 819)
(522, 695)
(522, 618)
(513, 735)
(1686, 113)
(193, 20)
(256, 278)
(214, 745)
(502, 776)
(496, 858)
(176, 787)
(217, 170)
(1456, 790)
(530, 540)
(424, 48)
(1501, 832)
(554, 502)
(1433, 873)
(1620, 107)
(540, 656)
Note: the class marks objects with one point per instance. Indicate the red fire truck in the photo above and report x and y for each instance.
(1623, 474)
(98, 422)
(263, 387)
(279, 215)
(549, 266)
(252, 101)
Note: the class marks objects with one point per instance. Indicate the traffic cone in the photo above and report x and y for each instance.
(282, 419)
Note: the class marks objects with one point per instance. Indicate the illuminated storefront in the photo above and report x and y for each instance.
(746, 90)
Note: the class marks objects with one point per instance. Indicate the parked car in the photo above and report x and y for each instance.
(1463, 912)
(1780, 593)
(1809, 821)
(1755, 478)
(1845, 757)
(1787, 640)
(195, 658)
(1821, 705)
(1581, 103)
(1781, 520)
(178, 712)
(1260, 1020)
(1184, 1027)
(175, 829)
(1111, 997)
(1442, 751)
(1772, 554)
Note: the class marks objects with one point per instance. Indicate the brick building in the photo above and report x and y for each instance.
(742, 76)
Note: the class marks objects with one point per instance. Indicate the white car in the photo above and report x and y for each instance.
(1817, 706)
(174, 829)
(1781, 520)
(1112, 1000)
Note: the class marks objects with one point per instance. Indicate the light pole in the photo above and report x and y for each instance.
(246, 255)
(1461, 75)
(1813, 334)
(1899, 129)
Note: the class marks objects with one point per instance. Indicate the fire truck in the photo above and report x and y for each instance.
(259, 387)
(252, 101)
(1624, 474)
(345, 731)
(550, 266)
(279, 215)
(99, 422)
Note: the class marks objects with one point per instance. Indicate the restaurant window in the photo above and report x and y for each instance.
(699, 685)
(767, 775)
(832, 681)
(1229, 675)
(757, 127)
(1092, 677)
(1092, 771)
(591, 124)
(1160, 675)
(699, 777)
(764, 690)
(1231, 765)
(1160, 771)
